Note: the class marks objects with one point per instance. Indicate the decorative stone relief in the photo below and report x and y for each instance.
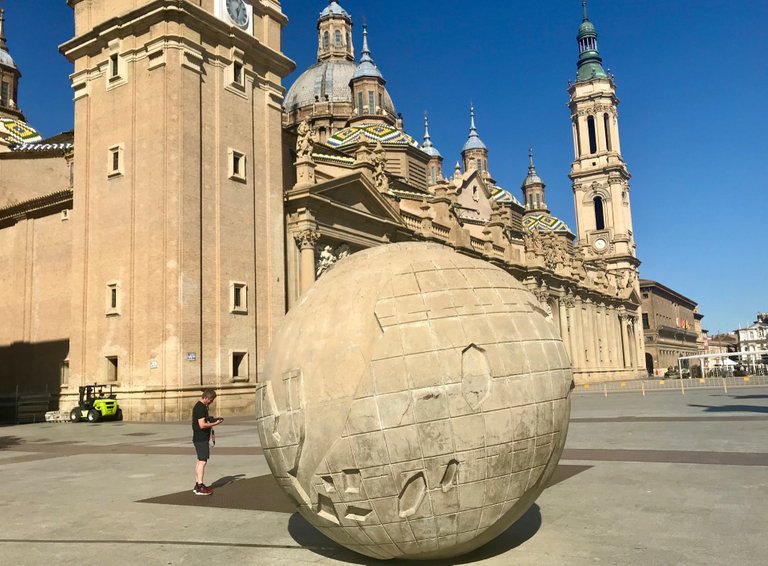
(306, 238)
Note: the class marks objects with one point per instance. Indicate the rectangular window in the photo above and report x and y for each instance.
(236, 165)
(115, 164)
(114, 66)
(237, 73)
(381, 100)
(112, 368)
(371, 104)
(5, 90)
(113, 298)
(434, 175)
(64, 372)
(646, 323)
(480, 165)
(240, 366)
(359, 103)
(238, 297)
(71, 174)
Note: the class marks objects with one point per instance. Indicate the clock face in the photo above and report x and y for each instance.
(238, 12)
(600, 244)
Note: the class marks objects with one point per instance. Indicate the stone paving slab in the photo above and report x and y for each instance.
(657, 479)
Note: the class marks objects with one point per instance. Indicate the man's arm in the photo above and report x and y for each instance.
(202, 423)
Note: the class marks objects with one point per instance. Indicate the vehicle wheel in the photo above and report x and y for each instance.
(93, 416)
(119, 415)
(74, 415)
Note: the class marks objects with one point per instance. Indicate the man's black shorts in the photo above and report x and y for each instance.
(203, 450)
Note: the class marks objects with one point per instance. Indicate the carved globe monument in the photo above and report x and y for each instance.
(415, 402)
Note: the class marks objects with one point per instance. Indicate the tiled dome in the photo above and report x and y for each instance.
(545, 223)
(501, 195)
(17, 132)
(384, 133)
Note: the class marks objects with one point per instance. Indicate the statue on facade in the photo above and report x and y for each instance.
(379, 162)
(305, 140)
(327, 256)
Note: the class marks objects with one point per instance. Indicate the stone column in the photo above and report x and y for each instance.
(578, 331)
(306, 240)
(589, 335)
(564, 327)
(625, 341)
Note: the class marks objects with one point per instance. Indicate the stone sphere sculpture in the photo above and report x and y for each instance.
(415, 402)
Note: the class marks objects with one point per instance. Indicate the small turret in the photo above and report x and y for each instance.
(475, 153)
(533, 188)
(368, 92)
(435, 163)
(334, 33)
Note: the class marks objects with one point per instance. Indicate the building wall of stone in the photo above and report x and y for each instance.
(194, 211)
(35, 270)
(24, 176)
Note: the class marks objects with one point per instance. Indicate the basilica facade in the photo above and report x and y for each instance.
(158, 246)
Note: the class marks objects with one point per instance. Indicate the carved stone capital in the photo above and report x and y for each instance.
(306, 239)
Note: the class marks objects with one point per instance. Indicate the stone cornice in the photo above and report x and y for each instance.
(165, 10)
(35, 207)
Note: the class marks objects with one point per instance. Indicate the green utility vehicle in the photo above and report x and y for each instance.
(96, 402)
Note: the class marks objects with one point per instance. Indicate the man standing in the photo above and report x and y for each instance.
(202, 426)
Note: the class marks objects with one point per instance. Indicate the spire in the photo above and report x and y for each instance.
(533, 188)
(427, 146)
(3, 45)
(366, 67)
(473, 141)
(533, 177)
(590, 64)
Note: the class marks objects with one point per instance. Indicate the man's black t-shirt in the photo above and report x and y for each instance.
(200, 411)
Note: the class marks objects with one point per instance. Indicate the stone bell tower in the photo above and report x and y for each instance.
(599, 174)
(178, 219)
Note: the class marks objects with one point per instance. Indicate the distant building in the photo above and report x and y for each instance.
(754, 338)
(670, 321)
(718, 344)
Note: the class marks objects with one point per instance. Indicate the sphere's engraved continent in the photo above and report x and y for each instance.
(415, 402)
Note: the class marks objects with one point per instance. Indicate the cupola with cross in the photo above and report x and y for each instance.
(533, 188)
(475, 153)
(368, 89)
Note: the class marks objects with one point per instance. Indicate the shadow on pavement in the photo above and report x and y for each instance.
(8, 441)
(732, 408)
(308, 537)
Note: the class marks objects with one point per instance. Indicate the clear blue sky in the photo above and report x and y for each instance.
(692, 78)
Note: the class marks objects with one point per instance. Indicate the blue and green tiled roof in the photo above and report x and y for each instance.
(371, 133)
(17, 132)
(545, 223)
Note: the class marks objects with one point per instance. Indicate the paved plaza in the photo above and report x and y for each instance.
(656, 478)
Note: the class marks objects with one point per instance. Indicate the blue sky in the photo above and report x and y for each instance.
(692, 78)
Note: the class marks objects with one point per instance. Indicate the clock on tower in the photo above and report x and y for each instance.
(237, 13)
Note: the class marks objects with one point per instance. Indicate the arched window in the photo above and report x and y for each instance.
(326, 40)
(578, 137)
(599, 218)
(592, 134)
(480, 165)
(338, 38)
(607, 125)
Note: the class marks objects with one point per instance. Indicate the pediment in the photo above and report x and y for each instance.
(475, 195)
(357, 193)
